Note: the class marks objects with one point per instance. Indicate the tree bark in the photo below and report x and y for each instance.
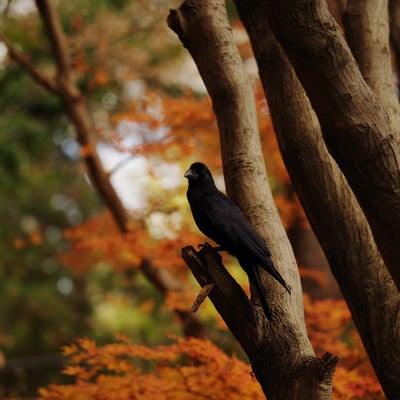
(329, 203)
(355, 127)
(295, 372)
(367, 33)
(337, 9)
(310, 380)
(311, 257)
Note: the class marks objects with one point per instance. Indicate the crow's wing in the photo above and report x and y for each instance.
(224, 222)
(230, 228)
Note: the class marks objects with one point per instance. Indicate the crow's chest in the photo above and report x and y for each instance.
(203, 213)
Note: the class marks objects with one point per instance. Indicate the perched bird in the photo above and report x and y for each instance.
(221, 220)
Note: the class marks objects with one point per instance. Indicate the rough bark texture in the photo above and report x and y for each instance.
(337, 9)
(310, 380)
(280, 352)
(367, 32)
(355, 127)
(329, 203)
(311, 257)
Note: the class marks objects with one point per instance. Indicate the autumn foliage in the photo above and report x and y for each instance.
(189, 368)
(177, 131)
(186, 369)
(196, 369)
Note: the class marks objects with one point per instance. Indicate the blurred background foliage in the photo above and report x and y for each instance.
(65, 269)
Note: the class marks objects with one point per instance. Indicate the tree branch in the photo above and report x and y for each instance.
(227, 296)
(26, 64)
(51, 21)
(165, 282)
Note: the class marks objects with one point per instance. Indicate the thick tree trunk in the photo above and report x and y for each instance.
(367, 32)
(329, 203)
(355, 127)
(280, 352)
(306, 379)
(311, 257)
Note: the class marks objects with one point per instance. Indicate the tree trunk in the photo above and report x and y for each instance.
(355, 127)
(281, 373)
(311, 257)
(367, 33)
(329, 203)
(280, 352)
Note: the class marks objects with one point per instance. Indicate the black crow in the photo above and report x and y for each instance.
(221, 220)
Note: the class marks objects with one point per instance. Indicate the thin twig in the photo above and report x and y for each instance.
(119, 165)
(23, 61)
(6, 10)
(55, 34)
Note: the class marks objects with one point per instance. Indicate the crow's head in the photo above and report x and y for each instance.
(198, 172)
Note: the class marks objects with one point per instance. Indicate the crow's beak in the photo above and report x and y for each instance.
(190, 174)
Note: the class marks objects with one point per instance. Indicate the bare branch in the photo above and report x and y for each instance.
(51, 20)
(120, 164)
(165, 282)
(25, 63)
(6, 9)
(227, 296)
(203, 294)
(79, 114)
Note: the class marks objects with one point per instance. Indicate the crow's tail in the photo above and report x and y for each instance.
(254, 276)
(269, 266)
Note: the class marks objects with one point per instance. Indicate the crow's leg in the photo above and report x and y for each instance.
(206, 247)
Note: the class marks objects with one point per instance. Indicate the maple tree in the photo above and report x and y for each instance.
(127, 251)
(187, 368)
(195, 368)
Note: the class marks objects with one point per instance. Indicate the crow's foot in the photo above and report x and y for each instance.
(206, 247)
